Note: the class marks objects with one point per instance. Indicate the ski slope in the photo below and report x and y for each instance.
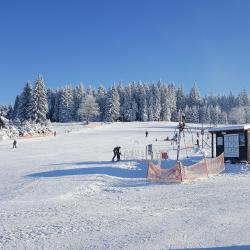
(64, 192)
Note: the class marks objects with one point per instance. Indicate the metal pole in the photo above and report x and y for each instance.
(212, 145)
(179, 137)
(202, 137)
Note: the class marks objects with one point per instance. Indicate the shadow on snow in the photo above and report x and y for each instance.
(139, 170)
(217, 248)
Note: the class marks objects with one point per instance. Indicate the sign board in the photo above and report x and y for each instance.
(231, 145)
(219, 141)
(150, 148)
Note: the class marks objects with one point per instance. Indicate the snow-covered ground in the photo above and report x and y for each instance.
(64, 192)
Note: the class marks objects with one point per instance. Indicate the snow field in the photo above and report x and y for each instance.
(64, 192)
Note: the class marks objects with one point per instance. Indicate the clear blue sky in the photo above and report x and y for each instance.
(106, 41)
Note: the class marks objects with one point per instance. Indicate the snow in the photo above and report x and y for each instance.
(230, 127)
(64, 192)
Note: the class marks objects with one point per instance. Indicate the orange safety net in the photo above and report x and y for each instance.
(215, 165)
(177, 174)
(198, 170)
(156, 173)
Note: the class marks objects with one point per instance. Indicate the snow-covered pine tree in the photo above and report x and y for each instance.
(130, 105)
(150, 101)
(101, 99)
(156, 103)
(10, 112)
(26, 103)
(194, 97)
(188, 114)
(40, 103)
(172, 101)
(55, 114)
(66, 106)
(165, 114)
(214, 114)
(16, 107)
(51, 97)
(243, 99)
(88, 108)
(112, 105)
(180, 99)
(194, 115)
(78, 96)
(121, 92)
(142, 103)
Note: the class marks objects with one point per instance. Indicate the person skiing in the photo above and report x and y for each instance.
(118, 154)
(115, 153)
(14, 143)
(146, 133)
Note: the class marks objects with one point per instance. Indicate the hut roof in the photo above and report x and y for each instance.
(230, 127)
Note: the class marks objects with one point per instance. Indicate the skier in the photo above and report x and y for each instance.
(146, 133)
(198, 143)
(118, 154)
(115, 152)
(14, 143)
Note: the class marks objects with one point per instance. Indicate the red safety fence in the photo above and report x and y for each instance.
(195, 171)
(156, 173)
(179, 173)
(215, 165)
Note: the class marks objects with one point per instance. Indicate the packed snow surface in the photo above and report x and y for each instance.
(64, 192)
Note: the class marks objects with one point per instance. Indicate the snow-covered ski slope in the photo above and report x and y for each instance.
(64, 192)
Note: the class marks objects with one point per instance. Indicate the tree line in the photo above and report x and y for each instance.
(136, 101)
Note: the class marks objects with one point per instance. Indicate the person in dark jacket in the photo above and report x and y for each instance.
(146, 133)
(117, 153)
(14, 143)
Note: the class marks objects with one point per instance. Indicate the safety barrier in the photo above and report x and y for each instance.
(179, 173)
(156, 173)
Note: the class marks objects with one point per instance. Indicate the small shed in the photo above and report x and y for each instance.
(233, 141)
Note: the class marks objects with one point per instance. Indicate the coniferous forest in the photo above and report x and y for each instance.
(136, 101)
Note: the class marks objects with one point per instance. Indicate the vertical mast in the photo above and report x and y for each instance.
(181, 126)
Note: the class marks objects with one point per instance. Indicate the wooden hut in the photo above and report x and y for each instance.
(233, 140)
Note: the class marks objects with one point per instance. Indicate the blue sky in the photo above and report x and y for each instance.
(106, 41)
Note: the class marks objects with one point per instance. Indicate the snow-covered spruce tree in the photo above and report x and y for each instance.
(188, 114)
(180, 99)
(88, 108)
(101, 99)
(78, 96)
(243, 99)
(26, 103)
(142, 103)
(214, 114)
(112, 105)
(194, 115)
(194, 97)
(130, 105)
(40, 103)
(10, 112)
(122, 92)
(172, 101)
(150, 102)
(16, 107)
(51, 97)
(156, 103)
(165, 114)
(66, 107)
